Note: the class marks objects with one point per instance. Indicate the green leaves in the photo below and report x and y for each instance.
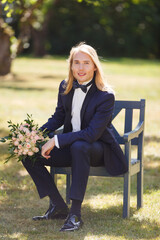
(9, 13)
(33, 1)
(4, 1)
(6, 8)
(4, 139)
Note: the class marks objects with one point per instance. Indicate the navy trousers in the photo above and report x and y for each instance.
(79, 156)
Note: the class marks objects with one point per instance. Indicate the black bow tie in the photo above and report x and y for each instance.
(83, 87)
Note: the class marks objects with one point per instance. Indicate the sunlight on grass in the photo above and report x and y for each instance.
(23, 173)
(151, 209)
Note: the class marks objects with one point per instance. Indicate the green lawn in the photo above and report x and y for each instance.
(32, 88)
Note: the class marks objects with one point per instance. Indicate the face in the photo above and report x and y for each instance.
(82, 67)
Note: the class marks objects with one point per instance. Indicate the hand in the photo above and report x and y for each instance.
(47, 147)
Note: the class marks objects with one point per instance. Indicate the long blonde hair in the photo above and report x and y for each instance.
(99, 76)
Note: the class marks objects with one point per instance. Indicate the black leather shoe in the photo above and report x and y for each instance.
(53, 212)
(72, 223)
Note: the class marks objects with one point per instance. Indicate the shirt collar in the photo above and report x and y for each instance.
(85, 83)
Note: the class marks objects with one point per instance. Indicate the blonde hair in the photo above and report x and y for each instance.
(99, 76)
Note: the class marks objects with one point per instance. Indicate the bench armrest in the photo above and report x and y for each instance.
(58, 131)
(134, 133)
(127, 136)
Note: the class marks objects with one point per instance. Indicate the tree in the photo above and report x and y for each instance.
(32, 18)
(116, 28)
(5, 57)
(25, 11)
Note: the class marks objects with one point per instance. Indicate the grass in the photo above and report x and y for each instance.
(32, 88)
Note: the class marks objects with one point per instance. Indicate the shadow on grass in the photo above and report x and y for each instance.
(148, 139)
(51, 77)
(27, 88)
(15, 78)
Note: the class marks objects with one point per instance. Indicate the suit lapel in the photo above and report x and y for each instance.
(68, 107)
(68, 101)
(87, 99)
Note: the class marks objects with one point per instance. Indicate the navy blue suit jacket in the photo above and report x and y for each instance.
(96, 116)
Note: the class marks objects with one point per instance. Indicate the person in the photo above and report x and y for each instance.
(84, 107)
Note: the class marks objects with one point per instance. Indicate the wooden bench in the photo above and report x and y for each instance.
(129, 137)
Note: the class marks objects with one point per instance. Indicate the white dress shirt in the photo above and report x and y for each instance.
(77, 102)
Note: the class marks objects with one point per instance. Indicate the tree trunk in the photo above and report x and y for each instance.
(5, 54)
(38, 38)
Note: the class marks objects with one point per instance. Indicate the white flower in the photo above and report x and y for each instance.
(35, 149)
(15, 150)
(21, 137)
(26, 130)
(37, 137)
(20, 146)
(24, 153)
(28, 145)
(16, 143)
(33, 133)
(25, 150)
(28, 133)
(30, 153)
(21, 127)
(33, 141)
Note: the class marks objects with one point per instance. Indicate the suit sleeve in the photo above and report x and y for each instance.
(96, 126)
(57, 119)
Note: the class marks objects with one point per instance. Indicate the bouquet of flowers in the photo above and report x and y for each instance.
(25, 140)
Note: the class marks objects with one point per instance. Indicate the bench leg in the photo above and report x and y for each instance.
(140, 189)
(140, 174)
(126, 196)
(68, 184)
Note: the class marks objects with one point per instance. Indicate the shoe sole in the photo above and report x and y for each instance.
(56, 216)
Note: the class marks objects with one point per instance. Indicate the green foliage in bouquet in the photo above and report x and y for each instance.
(25, 140)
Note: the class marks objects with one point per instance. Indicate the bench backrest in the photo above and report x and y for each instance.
(128, 108)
